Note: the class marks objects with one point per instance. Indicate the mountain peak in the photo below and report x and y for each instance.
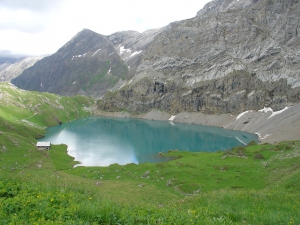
(86, 33)
(225, 5)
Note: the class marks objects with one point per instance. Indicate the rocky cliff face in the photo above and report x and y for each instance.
(130, 45)
(233, 56)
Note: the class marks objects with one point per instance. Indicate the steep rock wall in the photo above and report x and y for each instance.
(233, 56)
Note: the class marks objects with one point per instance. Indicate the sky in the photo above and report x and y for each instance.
(41, 27)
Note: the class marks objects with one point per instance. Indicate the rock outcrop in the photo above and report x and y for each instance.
(233, 56)
(130, 45)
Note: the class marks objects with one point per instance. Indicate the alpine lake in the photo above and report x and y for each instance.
(101, 141)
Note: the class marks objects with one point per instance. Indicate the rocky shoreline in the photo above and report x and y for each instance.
(270, 126)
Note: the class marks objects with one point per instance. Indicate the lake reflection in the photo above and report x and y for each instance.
(98, 141)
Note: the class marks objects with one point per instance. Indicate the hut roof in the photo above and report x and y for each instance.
(43, 144)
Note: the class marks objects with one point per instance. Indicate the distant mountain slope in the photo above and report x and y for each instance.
(13, 70)
(8, 59)
(3, 66)
(87, 64)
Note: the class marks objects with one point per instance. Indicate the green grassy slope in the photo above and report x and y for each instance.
(40, 109)
(257, 184)
(24, 114)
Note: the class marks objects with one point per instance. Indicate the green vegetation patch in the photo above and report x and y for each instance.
(40, 110)
(120, 70)
(199, 188)
(256, 184)
(103, 70)
(60, 157)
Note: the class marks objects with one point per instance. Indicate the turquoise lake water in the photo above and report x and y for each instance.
(101, 141)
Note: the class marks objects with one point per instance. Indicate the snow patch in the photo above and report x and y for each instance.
(278, 112)
(74, 82)
(264, 137)
(96, 52)
(123, 50)
(268, 109)
(78, 56)
(126, 83)
(135, 53)
(109, 71)
(172, 118)
(241, 114)
(122, 85)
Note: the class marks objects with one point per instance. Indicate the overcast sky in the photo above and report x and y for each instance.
(39, 27)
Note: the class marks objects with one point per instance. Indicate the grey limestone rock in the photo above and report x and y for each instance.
(233, 56)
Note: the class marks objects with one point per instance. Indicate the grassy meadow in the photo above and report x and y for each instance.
(255, 184)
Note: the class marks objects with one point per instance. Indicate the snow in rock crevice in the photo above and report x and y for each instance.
(135, 53)
(123, 50)
(79, 56)
(96, 52)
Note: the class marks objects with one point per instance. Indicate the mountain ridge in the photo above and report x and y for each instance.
(76, 68)
(231, 57)
(8, 71)
(222, 62)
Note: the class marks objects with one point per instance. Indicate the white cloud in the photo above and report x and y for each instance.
(41, 27)
(31, 5)
(22, 20)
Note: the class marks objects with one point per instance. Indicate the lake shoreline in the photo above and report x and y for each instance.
(269, 126)
(102, 141)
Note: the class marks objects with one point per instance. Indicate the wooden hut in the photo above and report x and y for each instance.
(43, 145)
